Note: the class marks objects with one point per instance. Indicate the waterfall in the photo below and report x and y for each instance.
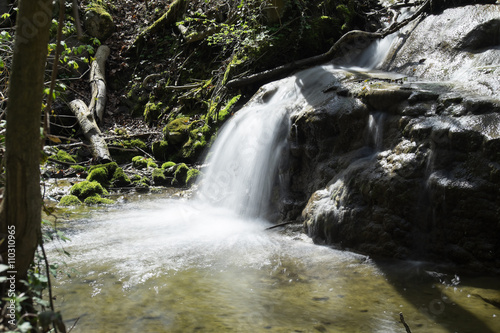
(243, 161)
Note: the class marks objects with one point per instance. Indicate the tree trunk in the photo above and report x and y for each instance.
(20, 213)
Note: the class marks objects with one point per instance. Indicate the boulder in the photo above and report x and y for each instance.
(98, 22)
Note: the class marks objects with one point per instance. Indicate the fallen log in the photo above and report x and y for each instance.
(91, 131)
(98, 82)
(354, 39)
(86, 115)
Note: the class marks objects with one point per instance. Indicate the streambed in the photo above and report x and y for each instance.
(178, 265)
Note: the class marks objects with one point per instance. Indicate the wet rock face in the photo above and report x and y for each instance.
(409, 167)
(460, 45)
(415, 178)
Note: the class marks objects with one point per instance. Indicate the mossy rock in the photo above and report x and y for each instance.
(120, 179)
(168, 165)
(140, 180)
(63, 156)
(140, 162)
(192, 175)
(169, 169)
(177, 131)
(141, 183)
(111, 167)
(160, 150)
(134, 143)
(152, 111)
(99, 175)
(102, 173)
(78, 168)
(86, 189)
(180, 175)
(96, 199)
(124, 156)
(70, 200)
(158, 177)
(98, 22)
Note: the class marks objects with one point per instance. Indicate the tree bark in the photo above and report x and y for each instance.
(87, 115)
(20, 212)
(91, 131)
(98, 82)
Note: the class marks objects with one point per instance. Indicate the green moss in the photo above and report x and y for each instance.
(140, 162)
(140, 180)
(160, 150)
(96, 199)
(70, 200)
(63, 156)
(141, 183)
(120, 179)
(151, 163)
(99, 175)
(180, 175)
(167, 165)
(152, 111)
(159, 177)
(179, 125)
(111, 167)
(135, 143)
(78, 168)
(192, 175)
(226, 111)
(86, 189)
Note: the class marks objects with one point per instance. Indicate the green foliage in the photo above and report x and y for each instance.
(86, 189)
(70, 200)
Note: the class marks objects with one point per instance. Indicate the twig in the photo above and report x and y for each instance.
(144, 152)
(280, 225)
(74, 324)
(47, 271)
(402, 319)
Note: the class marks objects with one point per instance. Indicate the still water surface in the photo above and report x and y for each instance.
(176, 265)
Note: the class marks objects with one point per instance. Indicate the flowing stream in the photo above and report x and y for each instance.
(208, 264)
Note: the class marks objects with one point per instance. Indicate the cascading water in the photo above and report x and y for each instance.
(244, 159)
